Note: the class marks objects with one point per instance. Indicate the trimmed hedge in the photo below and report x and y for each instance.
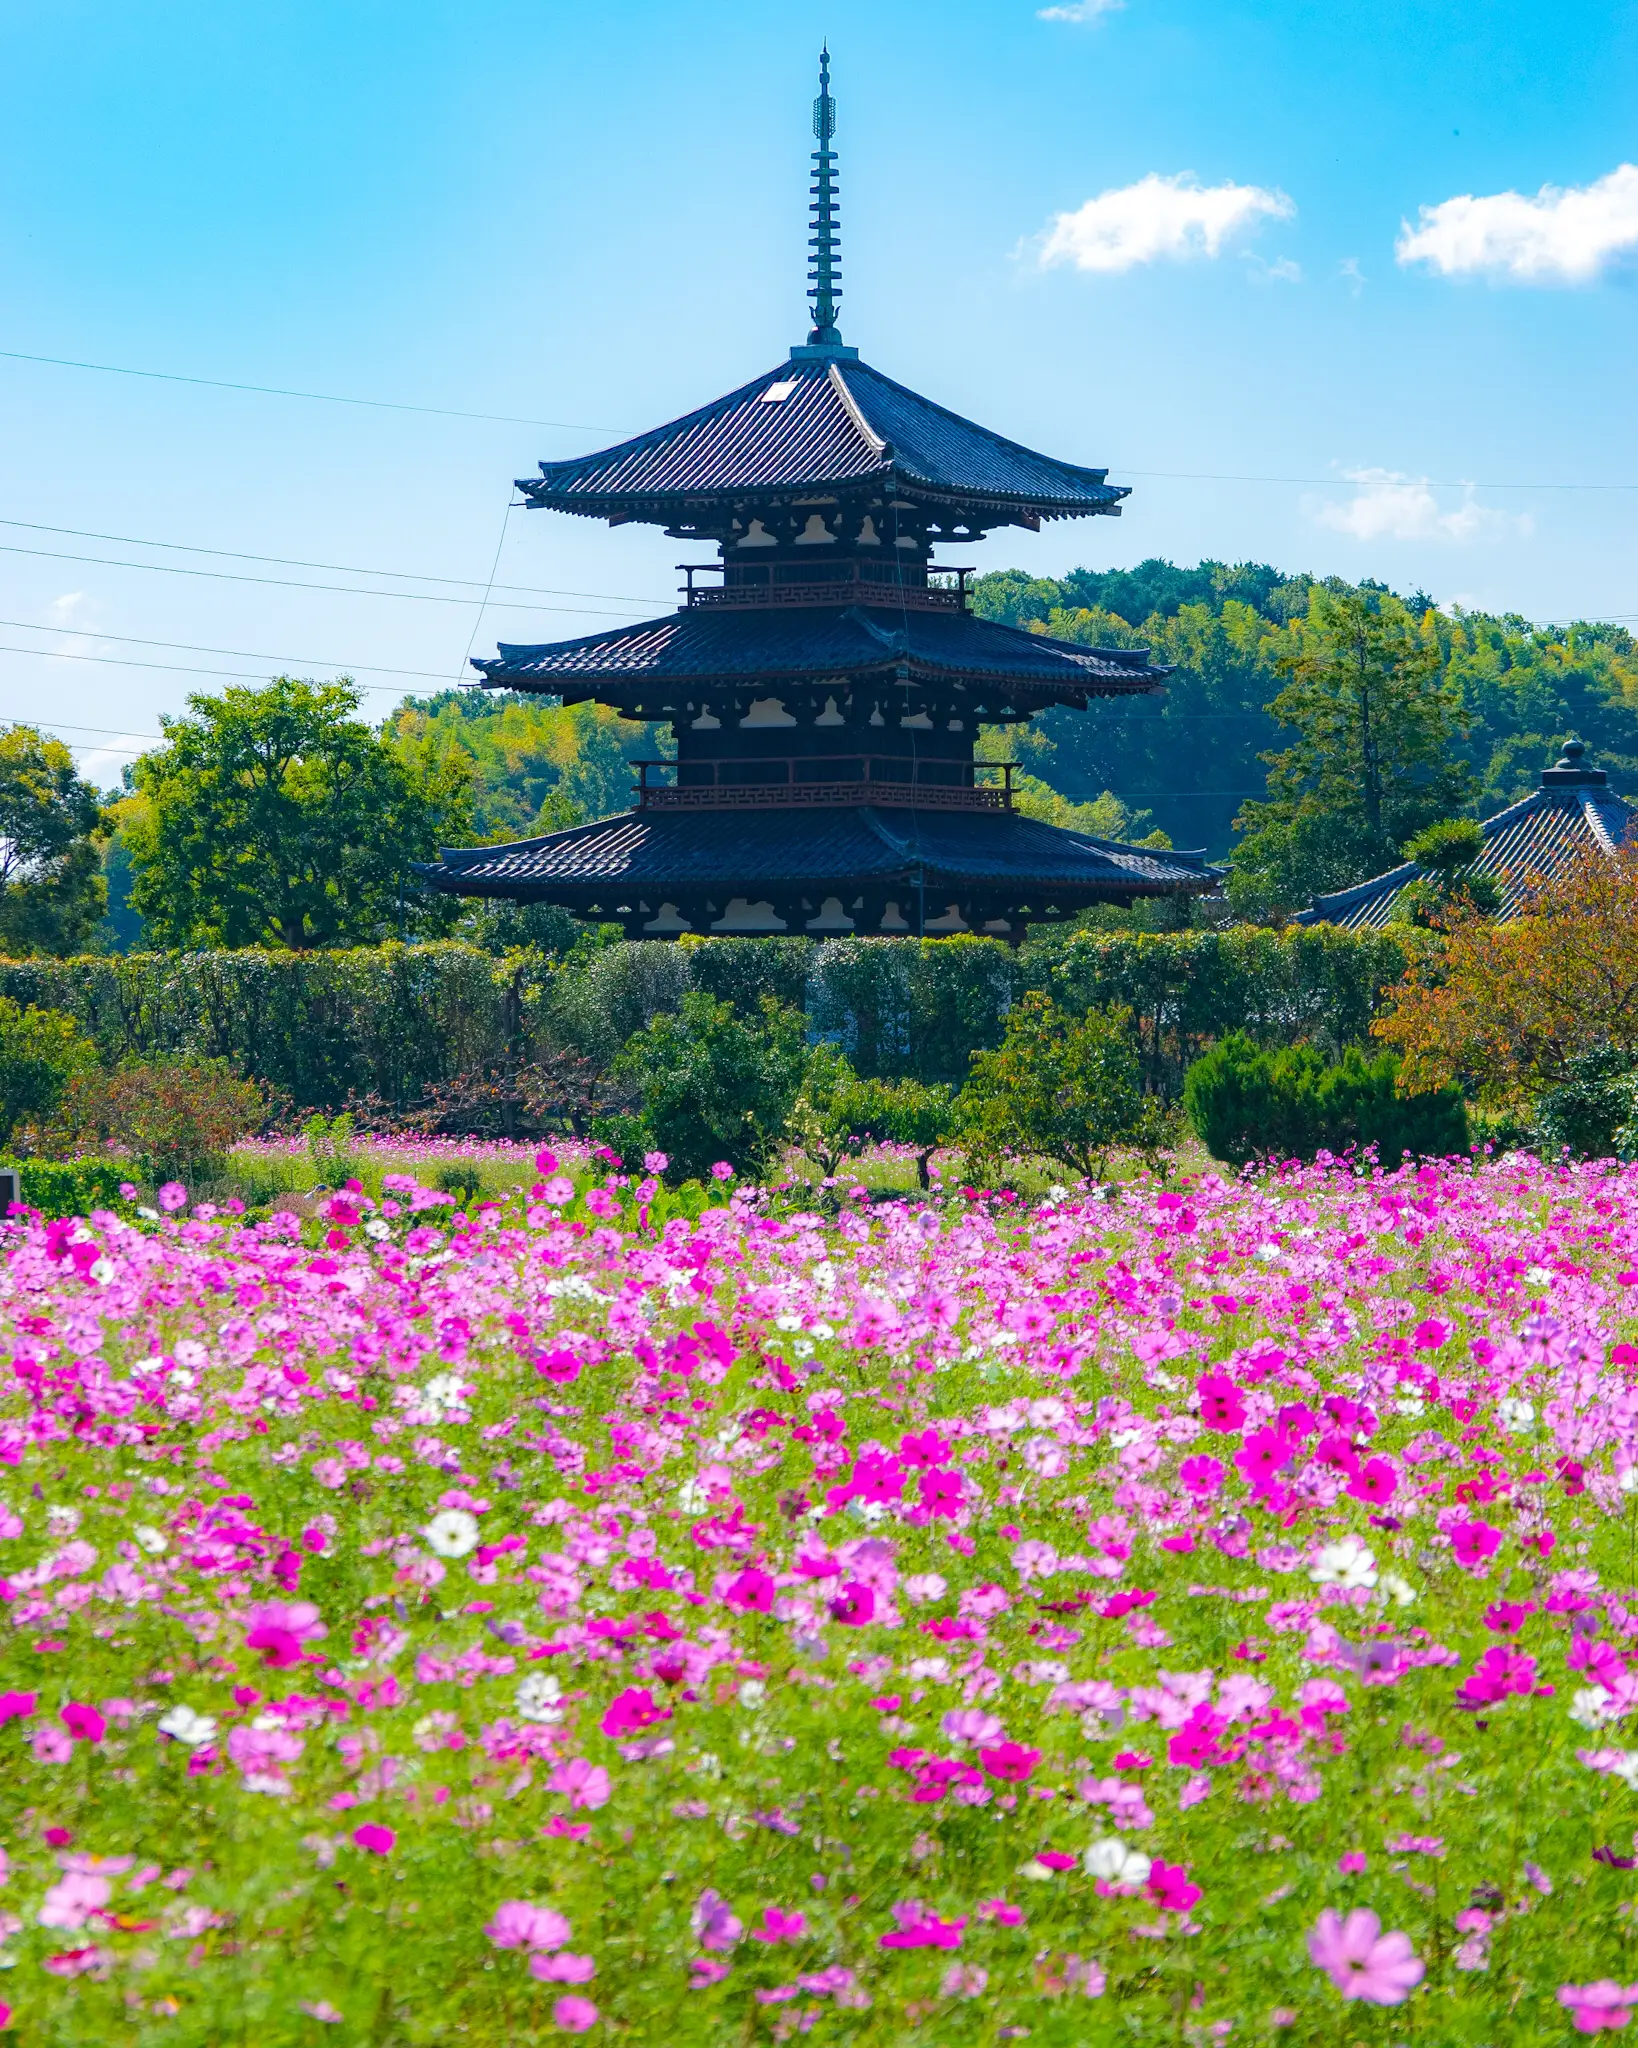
(69, 1187)
(392, 1021)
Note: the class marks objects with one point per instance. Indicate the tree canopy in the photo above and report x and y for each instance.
(275, 816)
(51, 887)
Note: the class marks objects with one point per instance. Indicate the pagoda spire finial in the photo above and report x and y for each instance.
(824, 269)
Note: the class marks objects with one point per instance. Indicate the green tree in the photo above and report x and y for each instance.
(41, 1055)
(1377, 722)
(1060, 1086)
(275, 816)
(51, 887)
(716, 1085)
(1447, 852)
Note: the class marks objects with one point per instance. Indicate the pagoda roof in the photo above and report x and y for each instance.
(659, 851)
(823, 422)
(711, 644)
(1573, 812)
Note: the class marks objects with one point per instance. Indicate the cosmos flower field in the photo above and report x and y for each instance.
(1183, 1615)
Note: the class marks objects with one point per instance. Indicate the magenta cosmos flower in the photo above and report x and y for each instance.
(1600, 2005)
(1362, 1961)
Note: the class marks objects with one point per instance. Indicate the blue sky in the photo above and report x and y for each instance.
(1380, 257)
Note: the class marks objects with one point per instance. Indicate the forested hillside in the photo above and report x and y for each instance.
(1190, 759)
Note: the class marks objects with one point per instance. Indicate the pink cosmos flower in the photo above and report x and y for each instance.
(753, 1590)
(173, 1196)
(85, 1724)
(926, 1449)
(779, 1926)
(558, 1190)
(1600, 2005)
(656, 1162)
(51, 1746)
(518, 1924)
(586, 1784)
(575, 2015)
(375, 1839)
(722, 1171)
(1352, 1862)
(280, 1629)
(1362, 1961)
(17, 1706)
(1474, 1543)
(72, 1901)
(704, 1971)
(1201, 1476)
(1376, 1481)
(919, 1928)
(971, 1724)
(1170, 1888)
(1498, 1673)
(941, 1493)
(714, 1922)
(1009, 1762)
(563, 1969)
(1221, 1404)
(631, 1711)
(854, 1606)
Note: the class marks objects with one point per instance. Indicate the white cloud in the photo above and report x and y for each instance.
(68, 604)
(1081, 10)
(1392, 506)
(1281, 271)
(1159, 216)
(1349, 268)
(1562, 236)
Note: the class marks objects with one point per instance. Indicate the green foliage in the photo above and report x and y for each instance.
(1592, 1114)
(536, 765)
(332, 1147)
(1249, 1103)
(820, 1123)
(1193, 754)
(177, 1117)
(41, 1054)
(919, 1115)
(716, 1085)
(51, 887)
(1447, 850)
(274, 815)
(71, 1187)
(1372, 763)
(1060, 1086)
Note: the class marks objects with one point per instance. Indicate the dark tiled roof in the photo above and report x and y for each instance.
(772, 849)
(1536, 838)
(842, 423)
(708, 644)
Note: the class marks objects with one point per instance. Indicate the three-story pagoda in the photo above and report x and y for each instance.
(824, 678)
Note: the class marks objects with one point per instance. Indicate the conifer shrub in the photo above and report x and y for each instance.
(1246, 1103)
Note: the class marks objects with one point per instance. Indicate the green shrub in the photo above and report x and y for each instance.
(462, 1179)
(332, 1147)
(41, 1053)
(70, 1187)
(1594, 1112)
(1247, 1104)
(176, 1117)
(1062, 1087)
(715, 1085)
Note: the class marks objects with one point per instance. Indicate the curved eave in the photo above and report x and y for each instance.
(674, 507)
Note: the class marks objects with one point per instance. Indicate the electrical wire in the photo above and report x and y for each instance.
(339, 568)
(291, 582)
(12, 355)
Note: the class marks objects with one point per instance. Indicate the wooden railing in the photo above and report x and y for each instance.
(793, 782)
(841, 583)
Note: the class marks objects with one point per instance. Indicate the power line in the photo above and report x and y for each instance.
(237, 653)
(291, 582)
(583, 427)
(339, 568)
(444, 412)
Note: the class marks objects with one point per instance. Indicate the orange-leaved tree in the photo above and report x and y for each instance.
(1503, 1009)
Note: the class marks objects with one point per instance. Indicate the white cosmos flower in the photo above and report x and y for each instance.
(1515, 1414)
(1400, 1591)
(378, 1227)
(183, 1725)
(1346, 1563)
(1410, 1407)
(1111, 1859)
(1592, 1706)
(444, 1392)
(453, 1532)
(538, 1696)
(152, 1540)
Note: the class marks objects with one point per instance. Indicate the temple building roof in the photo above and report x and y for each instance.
(1572, 812)
(821, 422)
(681, 852)
(707, 644)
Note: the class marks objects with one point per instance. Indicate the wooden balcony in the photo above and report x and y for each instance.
(795, 782)
(786, 585)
